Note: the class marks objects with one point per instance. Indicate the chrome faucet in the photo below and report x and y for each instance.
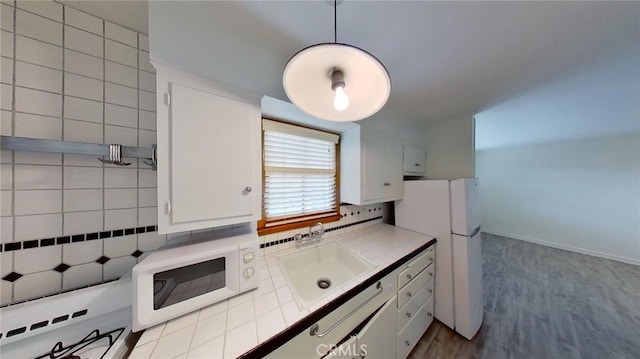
(314, 233)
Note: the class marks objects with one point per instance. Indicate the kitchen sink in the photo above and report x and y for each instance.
(315, 272)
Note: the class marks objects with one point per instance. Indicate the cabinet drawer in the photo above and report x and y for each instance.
(410, 290)
(409, 336)
(410, 309)
(415, 266)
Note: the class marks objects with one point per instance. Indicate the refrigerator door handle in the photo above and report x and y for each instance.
(474, 232)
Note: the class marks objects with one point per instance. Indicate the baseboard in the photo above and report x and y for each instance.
(565, 247)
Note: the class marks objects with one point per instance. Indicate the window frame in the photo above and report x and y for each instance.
(305, 220)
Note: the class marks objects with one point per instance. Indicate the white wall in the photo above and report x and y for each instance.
(450, 148)
(579, 195)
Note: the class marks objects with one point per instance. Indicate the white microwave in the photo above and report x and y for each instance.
(176, 281)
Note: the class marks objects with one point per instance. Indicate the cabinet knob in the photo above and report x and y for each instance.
(248, 189)
(430, 315)
(416, 164)
(409, 276)
(430, 274)
(409, 294)
(408, 315)
(407, 343)
(430, 290)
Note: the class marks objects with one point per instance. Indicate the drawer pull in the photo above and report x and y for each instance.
(409, 276)
(430, 274)
(315, 328)
(430, 290)
(409, 294)
(429, 314)
(407, 343)
(408, 315)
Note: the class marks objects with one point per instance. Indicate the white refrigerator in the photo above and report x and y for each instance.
(449, 211)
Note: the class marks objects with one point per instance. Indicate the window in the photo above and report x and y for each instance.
(300, 177)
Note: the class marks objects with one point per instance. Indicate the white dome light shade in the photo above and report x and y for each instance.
(307, 81)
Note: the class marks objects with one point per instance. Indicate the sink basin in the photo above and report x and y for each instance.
(315, 272)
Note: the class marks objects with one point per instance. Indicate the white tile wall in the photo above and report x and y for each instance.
(120, 246)
(38, 202)
(83, 109)
(118, 52)
(6, 22)
(117, 267)
(82, 177)
(78, 63)
(121, 198)
(121, 34)
(83, 222)
(38, 77)
(121, 74)
(37, 259)
(83, 41)
(36, 285)
(6, 43)
(83, 21)
(38, 27)
(47, 9)
(38, 102)
(37, 226)
(120, 95)
(38, 52)
(6, 70)
(123, 135)
(6, 127)
(37, 177)
(82, 200)
(81, 131)
(82, 252)
(120, 218)
(79, 275)
(37, 126)
(121, 115)
(83, 87)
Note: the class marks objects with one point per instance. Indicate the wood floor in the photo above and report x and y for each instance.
(541, 302)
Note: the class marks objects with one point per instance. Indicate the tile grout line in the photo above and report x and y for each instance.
(62, 159)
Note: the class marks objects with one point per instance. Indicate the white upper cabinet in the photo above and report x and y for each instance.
(209, 149)
(370, 167)
(414, 160)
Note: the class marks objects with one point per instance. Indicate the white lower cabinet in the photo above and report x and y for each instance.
(415, 301)
(326, 333)
(383, 321)
(376, 340)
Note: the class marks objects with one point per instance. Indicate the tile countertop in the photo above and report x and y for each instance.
(234, 326)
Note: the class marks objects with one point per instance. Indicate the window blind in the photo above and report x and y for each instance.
(299, 172)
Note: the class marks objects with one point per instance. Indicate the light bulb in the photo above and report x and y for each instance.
(341, 101)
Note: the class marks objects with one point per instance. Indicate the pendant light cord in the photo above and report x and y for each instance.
(335, 21)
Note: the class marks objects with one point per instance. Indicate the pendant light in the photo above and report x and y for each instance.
(335, 81)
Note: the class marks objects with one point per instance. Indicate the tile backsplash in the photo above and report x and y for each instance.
(69, 221)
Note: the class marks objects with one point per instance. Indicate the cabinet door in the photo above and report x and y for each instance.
(382, 172)
(378, 338)
(375, 156)
(208, 151)
(413, 160)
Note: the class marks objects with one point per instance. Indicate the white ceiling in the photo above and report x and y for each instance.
(516, 64)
